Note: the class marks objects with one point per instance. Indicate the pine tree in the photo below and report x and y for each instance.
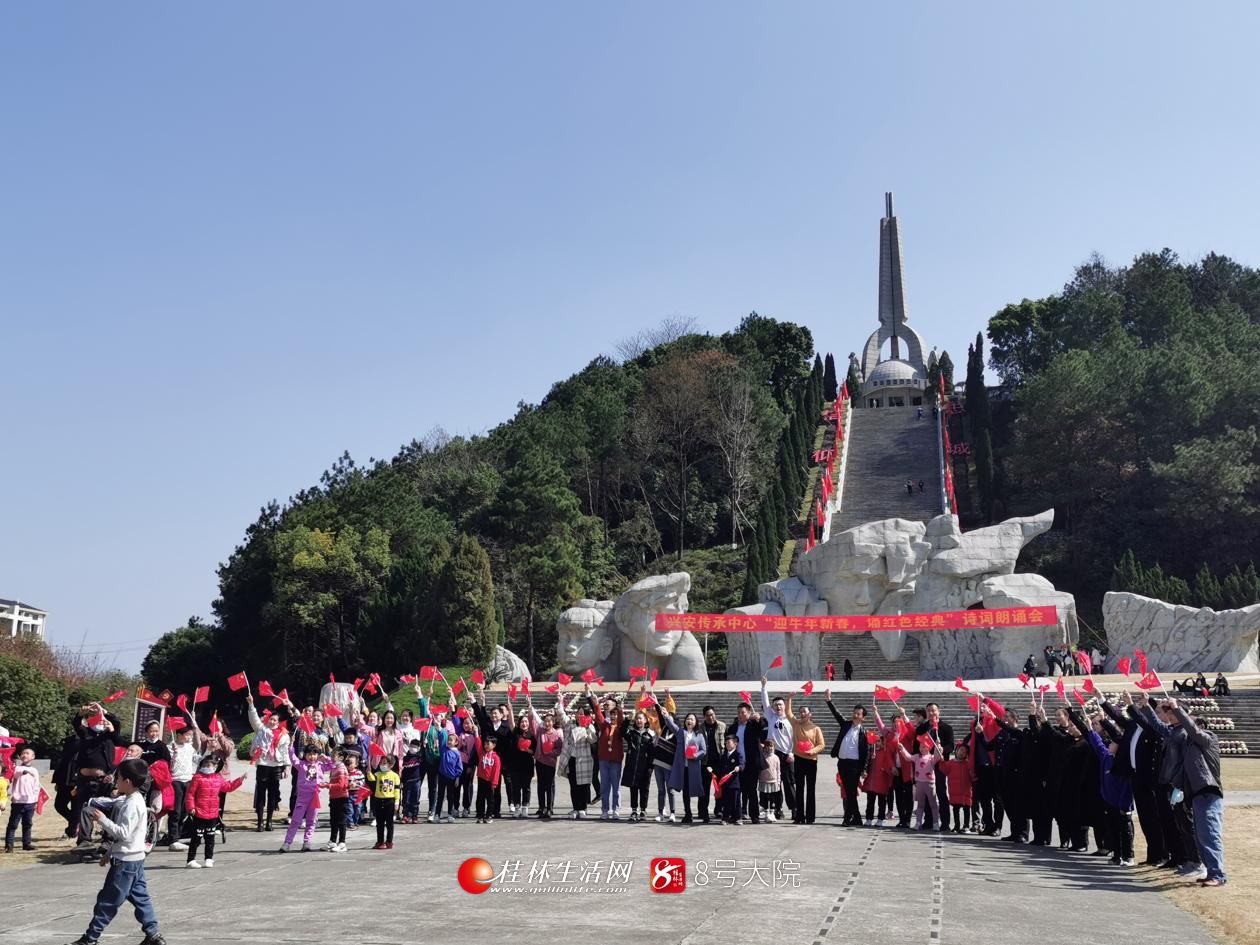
(753, 569)
(782, 515)
(854, 383)
(983, 458)
(769, 546)
(816, 388)
(466, 599)
(1207, 589)
(831, 387)
(946, 364)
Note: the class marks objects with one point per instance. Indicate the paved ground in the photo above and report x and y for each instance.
(866, 887)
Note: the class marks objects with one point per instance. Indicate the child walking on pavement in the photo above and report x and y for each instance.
(123, 821)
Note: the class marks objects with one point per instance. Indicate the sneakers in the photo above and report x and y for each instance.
(378, 846)
(616, 815)
(179, 845)
(769, 817)
(1127, 862)
(194, 865)
(328, 847)
(209, 864)
(870, 821)
(603, 815)
(512, 809)
(466, 812)
(389, 846)
(284, 848)
(449, 820)
(83, 940)
(432, 818)
(1192, 870)
(154, 940)
(339, 848)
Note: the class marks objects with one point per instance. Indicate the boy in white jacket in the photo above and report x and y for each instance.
(124, 828)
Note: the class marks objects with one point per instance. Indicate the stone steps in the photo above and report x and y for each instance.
(889, 445)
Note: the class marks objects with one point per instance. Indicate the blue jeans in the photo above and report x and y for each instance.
(663, 789)
(609, 786)
(124, 883)
(23, 814)
(411, 798)
(1209, 813)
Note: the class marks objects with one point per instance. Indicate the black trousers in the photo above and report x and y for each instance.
(1178, 844)
(806, 774)
(383, 811)
(431, 778)
(337, 807)
(962, 816)
(86, 788)
(885, 804)
(448, 791)
(942, 799)
(903, 793)
(1038, 806)
(787, 775)
(579, 794)
(203, 828)
(1009, 791)
(266, 791)
(487, 795)
(63, 804)
(702, 801)
(850, 773)
(987, 797)
(748, 788)
(1119, 833)
(546, 786)
(175, 821)
(1146, 803)
(466, 787)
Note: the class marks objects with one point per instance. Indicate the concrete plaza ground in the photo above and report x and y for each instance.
(860, 886)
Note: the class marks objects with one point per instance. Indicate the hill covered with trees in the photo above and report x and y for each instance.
(671, 452)
(1131, 404)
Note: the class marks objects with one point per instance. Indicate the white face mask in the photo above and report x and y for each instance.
(207, 769)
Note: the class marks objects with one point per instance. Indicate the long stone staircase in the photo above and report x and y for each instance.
(887, 446)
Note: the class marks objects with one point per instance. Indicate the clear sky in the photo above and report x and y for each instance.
(237, 239)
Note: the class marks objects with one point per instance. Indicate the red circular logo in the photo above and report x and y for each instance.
(474, 875)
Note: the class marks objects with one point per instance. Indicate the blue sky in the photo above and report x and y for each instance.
(239, 238)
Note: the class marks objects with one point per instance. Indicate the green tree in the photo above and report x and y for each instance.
(465, 597)
(854, 383)
(754, 568)
(831, 386)
(946, 366)
(183, 659)
(35, 708)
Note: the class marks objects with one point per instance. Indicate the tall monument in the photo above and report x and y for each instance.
(896, 381)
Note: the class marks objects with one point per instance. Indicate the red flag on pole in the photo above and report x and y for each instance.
(525, 686)
(808, 687)
(238, 682)
(564, 678)
(429, 673)
(1059, 688)
(182, 701)
(1024, 680)
(174, 723)
(1079, 696)
(115, 696)
(959, 684)
(41, 801)
(457, 688)
(1123, 664)
(332, 710)
(408, 679)
(201, 694)
(653, 676)
(1088, 684)
(1149, 681)
(264, 689)
(776, 662)
(1140, 656)
(553, 688)
(215, 727)
(478, 677)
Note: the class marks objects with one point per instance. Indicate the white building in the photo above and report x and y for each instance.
(18, 619)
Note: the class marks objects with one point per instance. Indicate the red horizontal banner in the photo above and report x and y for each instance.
(942, 620)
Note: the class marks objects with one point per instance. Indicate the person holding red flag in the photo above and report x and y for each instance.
(271, 742)
(851, 750)
(942, 733)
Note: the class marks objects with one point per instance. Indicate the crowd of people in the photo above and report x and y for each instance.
(1081, 771)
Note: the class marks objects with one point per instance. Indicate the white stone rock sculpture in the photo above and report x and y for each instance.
(611, 636)
(1180, 639)
(895, 566)
(506, 667)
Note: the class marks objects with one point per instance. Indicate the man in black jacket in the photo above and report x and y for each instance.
(99, 734)
(850, 751)
(714, 744)
(751, 732)
(1138, 760)
(942, 733)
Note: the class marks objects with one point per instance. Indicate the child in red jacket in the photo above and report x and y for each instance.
(489, 768)
(960, 778)
(201, 803)
(338, 805)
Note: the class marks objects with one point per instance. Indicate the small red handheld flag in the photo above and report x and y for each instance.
(745, 696)
(655, 674)
(375, 751)
(255, 755)
(438, 709)
(1044, 689)
(808, 687)
(457, 688)
(182, 701)
(358, 681)
(553, 688)
(429, 673)
(461, 712)
(238, 682)
(332, 710)
(1079, 696)
(959, 684)
(637, 671)
(872, 738)
(1123, 664)
(974, 702)
(776, 662)
(332, 679)
(996, 708)
(1059, 688)
(408, 679)
(1140, 656)
(584, 720)
(564, 678)
(588, 676)
(926, 741)
(362, 794)
(174, 723)
(1088, 684)
(215, 726)
(281, 698)
(119, 754)
(115, 696)
(264, 689)
(1149, 681)
(478, 677)
(525, 686)
(804, 746)
(95, 720)
(41, 801)
(1024, 680)
(511, 691)
(597, 682)
(306, 724)
(422, 725)
(201, 694)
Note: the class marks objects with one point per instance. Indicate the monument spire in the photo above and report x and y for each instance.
(892, 302)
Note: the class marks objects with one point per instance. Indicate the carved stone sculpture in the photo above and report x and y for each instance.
(611, 636)
(507, 667)
(895, 566)
(1180, 639)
